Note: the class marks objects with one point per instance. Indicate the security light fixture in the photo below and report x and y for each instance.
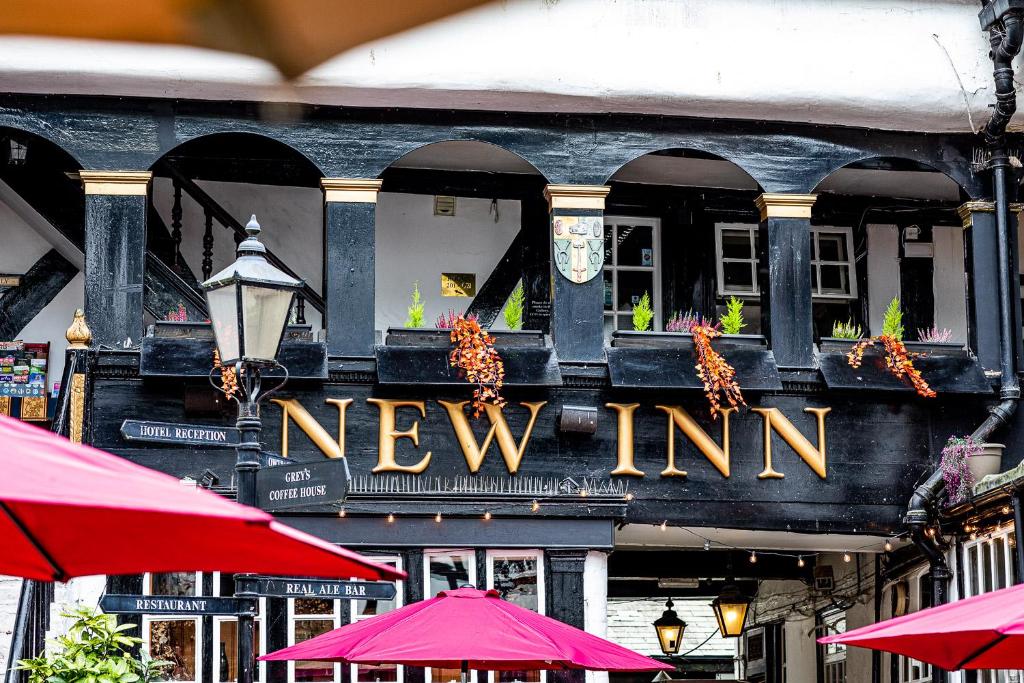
(249, 303)
(670, 630)
(731, 611)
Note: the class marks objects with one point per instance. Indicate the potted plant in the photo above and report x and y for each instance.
(898, 360)
(842, 335)
(936, 342)
(732, 325)
(678, 330)
(964, 463)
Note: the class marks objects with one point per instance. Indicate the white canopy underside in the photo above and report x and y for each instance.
(917, 65)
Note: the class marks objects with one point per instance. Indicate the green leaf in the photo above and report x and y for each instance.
(643, 314)
(892, 323)
(732, 321)
(514, 308)
(415, 310)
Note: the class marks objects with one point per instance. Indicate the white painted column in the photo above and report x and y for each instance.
(595, 602)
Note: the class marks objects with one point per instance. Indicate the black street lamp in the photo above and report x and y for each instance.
(670, 630)
(731, 611)
(249, 302)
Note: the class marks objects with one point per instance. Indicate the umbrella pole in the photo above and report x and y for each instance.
(465, 671)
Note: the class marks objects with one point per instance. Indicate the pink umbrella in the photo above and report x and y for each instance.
(471, 629)
(70, 510)
(983, 632)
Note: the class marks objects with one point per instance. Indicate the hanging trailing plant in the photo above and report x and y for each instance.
(898, 360)
(956, 471)
(228, 378)
(475, 355)
(718, 376)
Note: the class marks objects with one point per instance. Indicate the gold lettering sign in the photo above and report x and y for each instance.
(473, 451)
(388, 435)
(624, 465)
(292, 409)
(10, 280)
(775, 420)
(458, 284)
(719, 457)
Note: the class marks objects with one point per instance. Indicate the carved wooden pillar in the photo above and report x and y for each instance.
(350, 208)
(785, 263)
(115, 253)
(577, 264)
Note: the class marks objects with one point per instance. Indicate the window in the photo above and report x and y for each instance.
(361, 609)
(833, 621)
(833, 275)
(989, 566)
(174, 639)
(631, 268)
(446, 570)
(518, 577)
(225, 636)
(308, 618)
(910, 670)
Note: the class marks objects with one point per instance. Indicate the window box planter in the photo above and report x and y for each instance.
(952, 349)
(433, 337)
(420, 355)
(672, 340)
(185, 349)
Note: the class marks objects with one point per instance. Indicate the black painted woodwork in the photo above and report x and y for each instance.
(871, 472)
(496, 289)
(39, 285)
(426, 365)
(945, 374)
(917, 291)
(566, 602)
(164, 289)
(577, 310)
(673, 368)
(479, 184)
(536, 264)
(115, 249)
(185, 357)
(704, 564)
(349, 279)
(981, 248)
(786, 308)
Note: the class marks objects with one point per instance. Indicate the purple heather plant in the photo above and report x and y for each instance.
(955, 470)
(682, 322)
(447, 322)
(934, 335)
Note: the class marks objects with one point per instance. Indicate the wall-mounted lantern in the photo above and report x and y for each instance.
(731, 611)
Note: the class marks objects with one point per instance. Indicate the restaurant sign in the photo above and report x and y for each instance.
(170, 605)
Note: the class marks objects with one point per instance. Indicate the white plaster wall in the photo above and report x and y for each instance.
(595, 603)
(414, 245)
(794, 60)
(23, 246)
(10, 589)
(950, 281)
(291, 218)
(883, 272)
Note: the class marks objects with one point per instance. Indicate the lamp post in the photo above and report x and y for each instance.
(249, 302)
(670, 630)
(731, 611)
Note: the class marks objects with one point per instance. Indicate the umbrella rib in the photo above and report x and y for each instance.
(980, 651)
(58, 573)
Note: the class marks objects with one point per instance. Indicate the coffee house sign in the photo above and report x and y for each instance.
(513, 448)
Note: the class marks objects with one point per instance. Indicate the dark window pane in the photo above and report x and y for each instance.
(832, 247)
(309, 671)
(515, 579)
(174, 641)
(448, 572)
(636, 245)
(608, 246)
(972, 566)
(738, 277)
(177, 584)
(736, 244)
(625, 322)
(835, 280)
(607, 290)
(361, 608)
(226, 584)
(373, 673)
(228, 633)
(999, 546)
(314, 606)
(986, 567)
(632, 285)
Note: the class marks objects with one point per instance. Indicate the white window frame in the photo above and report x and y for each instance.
(905, 663)
(260, 624)
(334, 618)
(428, 671)
(850, 263)
(720, 261)
(541, 598)
(147, 619)
(986, 544)
(399, 602)
(615, 268)
(816, 231)
(833, 656)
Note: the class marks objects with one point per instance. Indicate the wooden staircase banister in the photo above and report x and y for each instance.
(201, 197)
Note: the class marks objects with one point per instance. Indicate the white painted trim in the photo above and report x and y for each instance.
(399, 601)
(720, 261)
(615, 268)
(850, 263)
(541, 597)
(260, 624)
(147, 619)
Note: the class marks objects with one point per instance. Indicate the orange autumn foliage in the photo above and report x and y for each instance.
(228, 379)
(475, 355)
(713, 370)
(898, 360)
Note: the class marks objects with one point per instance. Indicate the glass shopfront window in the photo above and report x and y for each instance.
(447, 570)
(225, 636)
(518, 576)
(174, 639)
(308, 618)
(362, 609)
(989, 566)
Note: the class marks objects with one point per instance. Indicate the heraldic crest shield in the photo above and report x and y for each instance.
(579, 246)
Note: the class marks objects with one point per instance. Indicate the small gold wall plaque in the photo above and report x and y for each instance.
(33, 408)
(10, 280)
(458, 284)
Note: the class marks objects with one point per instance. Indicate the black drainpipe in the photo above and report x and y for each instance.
(1006, 32)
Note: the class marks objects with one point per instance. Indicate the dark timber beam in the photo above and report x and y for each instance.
(350, 209)
(480, 184)
(785, 277)
(494, 292)
(39, 286)
(116, 206)
(536, 230)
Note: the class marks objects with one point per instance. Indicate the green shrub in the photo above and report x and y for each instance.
(892, 323)
(847, 330)
(95, 650)
(643, 314)
(514, 308)
(732, 321)
(415, 310)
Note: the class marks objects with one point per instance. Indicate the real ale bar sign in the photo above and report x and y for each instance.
(281, 587)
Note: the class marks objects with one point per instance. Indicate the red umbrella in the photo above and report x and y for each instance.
(70, 510)
(473, 629)
(983, 632)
